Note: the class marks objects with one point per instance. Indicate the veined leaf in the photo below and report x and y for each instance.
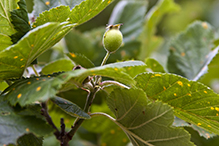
(144, 123)
(70, 108)
(42, 5)
(190, 51)
(58, 66)
(80, 59)
(13, 125)
(150, 42)
(87, 10)
(192, 101)
(57, 14)
(6, 28)
(20, 21)
(27, 91)
(154, 66)
(16, 58)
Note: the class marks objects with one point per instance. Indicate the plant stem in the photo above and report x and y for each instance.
(34, 69)
(105, 58)
(79, 121)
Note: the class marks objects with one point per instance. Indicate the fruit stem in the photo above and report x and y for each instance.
(105, 58)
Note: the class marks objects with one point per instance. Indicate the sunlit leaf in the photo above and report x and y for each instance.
(192, 101)
(58, 66)
(42, 5)
(16, 58)
(87, 10)
(29, 90)
(6, 28)
(144, 123)
(190, 51)
(57, 14)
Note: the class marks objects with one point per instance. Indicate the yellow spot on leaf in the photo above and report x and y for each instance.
(112, 131)
(175, 94)
(124, 140)
(32, 45)
(48, 76)
(38, 88)
(47, 3)
(15, 57)
(180, 83)
(199, 124)
(212, 108)
(208, 102)
(34, 25)
(37, 79)
(19, 95)
(217, 109)
(209, 125)
(189, 94)
(21, 59)
(129, 68)
(205, 92)
(116, 69)
(189, 85)
(183, 54)
(109, 2)
(157, 75)
(205, 25)
(27, 129)
(28, 83)
(73, 55)
(217, 114)
(164, 88)
(18, 7)
(90, 10)
(22, 66)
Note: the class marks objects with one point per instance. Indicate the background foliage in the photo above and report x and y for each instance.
(171, 38)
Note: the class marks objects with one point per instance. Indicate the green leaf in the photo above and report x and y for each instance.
(16, 58)
(70, 108)
(154, 66)
(131, 14)
(30, 139)
(13, 125)
(144, 123)
(80, 59)
(6, 28)
(149, 41)
(42, 5)
(107, 129)
(192, 101)
(87, 10)
(57, 14)
(27, 91)
(20, 20)
(57, 66)
(190, 51)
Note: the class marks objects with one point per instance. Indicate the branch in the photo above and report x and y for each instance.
(49, 119)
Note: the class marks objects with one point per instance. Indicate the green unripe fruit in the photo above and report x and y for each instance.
(112, 39)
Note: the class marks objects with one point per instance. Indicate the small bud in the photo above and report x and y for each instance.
(112, 39)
